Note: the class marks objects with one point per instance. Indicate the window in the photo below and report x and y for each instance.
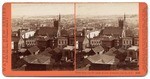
(59, 41)
(65, 42)
(130, 42)
(62, 41)
(127, 41)
(124, 42)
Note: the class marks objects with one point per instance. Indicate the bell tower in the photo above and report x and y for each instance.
(58, 26)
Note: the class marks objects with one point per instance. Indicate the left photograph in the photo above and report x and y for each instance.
(42, 37)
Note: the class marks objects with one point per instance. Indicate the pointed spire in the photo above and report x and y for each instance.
(124, 17)
(59, 18)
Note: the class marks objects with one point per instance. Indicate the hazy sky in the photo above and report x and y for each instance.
(107, 8)
(82, 9)
(41, 9)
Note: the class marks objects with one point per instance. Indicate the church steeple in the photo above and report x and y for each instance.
(59, 28)
(59, 17)
(124, 17)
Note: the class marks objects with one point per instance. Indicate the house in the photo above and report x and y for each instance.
(116, 32)
(128, 40)
(102, 62)
(23, 52)
(111, 52)
(47, 52)
(96, 41)
(82, 43)
(31, 42)
(71, 41)
(68, 53)
(22, 31)
(64, 33)
(121, 54)
(28, 34)
(108, 42)
(21, 43)
(62, 42)
(133, 53)
(47, 31)
(34, 50)
(57, 54)
(98, 50)
(136, 41)
(43, 42)
(37, 62)
(71, 36)
(91, 52)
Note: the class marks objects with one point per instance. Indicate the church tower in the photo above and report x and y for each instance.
(59, 27)
(122, 22)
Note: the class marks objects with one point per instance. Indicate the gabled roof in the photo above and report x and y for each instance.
(22, 50)
(46, 52)
(94, 58)
(101, 59)
(121, 50)
(64, 32)
(135, 48)
(111, 52)
(43, 38)
(112, 31)
(50, 31)
(98, 49)
(33, 49)
(129, 33)
(20, 63)
(69, 48)
(107, 58)
(57, 50)
(37, 59)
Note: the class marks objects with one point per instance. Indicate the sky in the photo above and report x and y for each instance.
(41, 9)
(107, 8)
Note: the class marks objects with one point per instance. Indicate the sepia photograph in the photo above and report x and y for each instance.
(107, 36)
(81, 36)
(42, 37)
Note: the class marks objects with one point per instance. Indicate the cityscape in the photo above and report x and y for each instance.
(55, 41)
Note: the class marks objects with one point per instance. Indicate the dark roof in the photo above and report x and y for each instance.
(111, 52)
(64, 32)
(129, 33)
(71, 32)
(20, 63)
(33, 49)
(101, 59)
(57, 50)
(43, 38)
(37, 59)
(46, 52)
(98, 49)
(121, 50)
(50, 31)
(107, 38)
(112, 31)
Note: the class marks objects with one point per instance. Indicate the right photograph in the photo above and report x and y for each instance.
(107, 36)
